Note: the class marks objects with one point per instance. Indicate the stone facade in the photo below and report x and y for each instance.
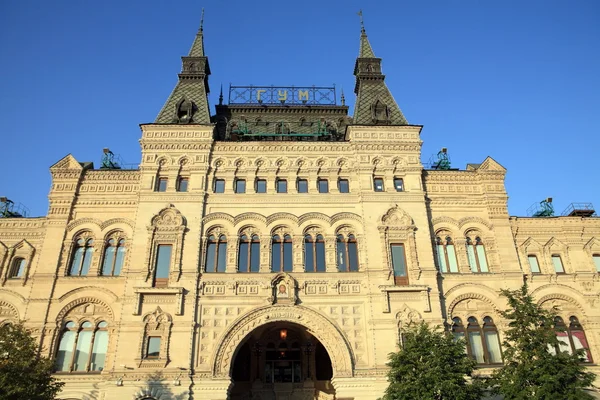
(202, 318)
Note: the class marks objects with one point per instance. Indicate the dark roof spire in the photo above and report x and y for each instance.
(188, 103)
(374, 102)
(221, 96)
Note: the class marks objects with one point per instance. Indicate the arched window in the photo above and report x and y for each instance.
(572, 338)
(347, 253)
(446, 255)
(17, 268)
(483, 342)
(476, 255)
(82, 257)
(281, 254)
(249, 254)
(216, 254)
(314, 254)
(114, 255)
(82, 348)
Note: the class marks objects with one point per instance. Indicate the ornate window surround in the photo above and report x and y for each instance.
(156, 323)
(23, 250)
(396, 226)
(168, 227)
(117, 235)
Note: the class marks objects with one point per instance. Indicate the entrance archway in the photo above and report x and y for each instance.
(281, 360)
(327, 338)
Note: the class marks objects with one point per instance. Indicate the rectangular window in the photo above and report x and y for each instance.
(378, 184)
(323, 185)
(153, 349)
(161, 185)
(399, 184)
(302, 185)
(399, 264)
(558, 265)
(219, 186)
(533, 264)
(596, 258)
(163, 264)
(281, 185)
(182, 185)
(240, 186)
(261, 186)
(343, 186)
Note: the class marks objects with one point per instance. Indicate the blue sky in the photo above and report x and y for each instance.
(515, 80)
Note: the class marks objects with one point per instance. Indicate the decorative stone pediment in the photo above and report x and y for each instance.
(168, 218)
(396, 217)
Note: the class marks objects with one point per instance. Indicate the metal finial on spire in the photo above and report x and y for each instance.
(202, 20)
(343, 98)
(362, 23)
(221, 96)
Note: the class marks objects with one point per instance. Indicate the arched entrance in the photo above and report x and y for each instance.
(281, 360)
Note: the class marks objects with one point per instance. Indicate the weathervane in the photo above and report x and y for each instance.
(362, 23)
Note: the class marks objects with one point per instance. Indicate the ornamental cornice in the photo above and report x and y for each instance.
(101, 202)
(165, 146)
(111, 175)
(235, 148)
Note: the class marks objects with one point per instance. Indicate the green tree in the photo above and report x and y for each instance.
(23, 373)
(431, 365)
(531, 371)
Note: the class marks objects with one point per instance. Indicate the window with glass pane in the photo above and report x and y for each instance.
(533, 264)
(76, 342)
(492, 341)
(458, 330)
(475, 340)
(261, 186)
(378, 184)
(476, 255)
(240, 186)
(399, 264)
(114, 255)
(216, 254)
(153, 347)
(281, 185)
(323, 185)
(557, 263)
(82, 257)
(314, 253)
(182, 184)
(302, 185)
(596, 258)
(344, 185)
(399, 184)
(281, 254)
(578, 339)
(17, 268)
(163, 265)
(446, 255)
(249, 254)
(219, 186)
(161, 184)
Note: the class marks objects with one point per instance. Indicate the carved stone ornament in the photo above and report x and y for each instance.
(284, 289)
(396, 217)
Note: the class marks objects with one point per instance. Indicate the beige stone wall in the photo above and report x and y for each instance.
(203, 317)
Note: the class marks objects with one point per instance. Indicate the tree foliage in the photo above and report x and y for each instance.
(530, 370)
(23, 373)
(431, 365)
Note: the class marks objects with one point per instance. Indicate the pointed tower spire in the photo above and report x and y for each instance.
(188, 103)
(374, 105)
(221, 96)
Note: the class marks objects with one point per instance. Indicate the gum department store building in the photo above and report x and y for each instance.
(273, 250)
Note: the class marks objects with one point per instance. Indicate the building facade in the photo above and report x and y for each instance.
(274, 250)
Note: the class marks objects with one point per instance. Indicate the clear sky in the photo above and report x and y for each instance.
(516, 80)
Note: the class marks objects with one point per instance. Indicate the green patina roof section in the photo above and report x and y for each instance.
(365, 47)
(368, 93)
(197, 49)
(371, 87)
(192, 90)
